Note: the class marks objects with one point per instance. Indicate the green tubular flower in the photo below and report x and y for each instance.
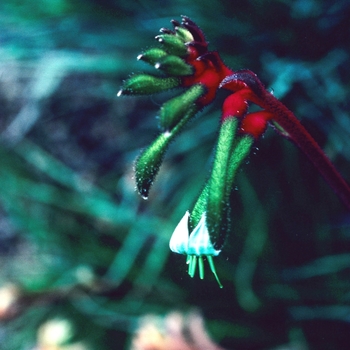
(148, 163)
(183, 34)
(199, 208)
(172, 44)
(174, 65)
(196, 245)
(145, 84)
(175, 109)
(152, 56)
(240, 152)
(230, 152)
(218, 192)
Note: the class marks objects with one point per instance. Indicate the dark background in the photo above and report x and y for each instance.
(78, 244)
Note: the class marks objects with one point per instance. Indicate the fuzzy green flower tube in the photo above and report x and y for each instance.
(218, 189)
(152, 55)
(241, 149)
(173, 110)
(174, 65)
(217, 184)
(148, 163)
(172, 44)
(145, 84)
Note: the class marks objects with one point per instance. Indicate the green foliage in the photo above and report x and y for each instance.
(83, 246)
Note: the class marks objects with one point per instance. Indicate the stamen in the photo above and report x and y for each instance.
(201, 267)
(192, 266)
(212, 268)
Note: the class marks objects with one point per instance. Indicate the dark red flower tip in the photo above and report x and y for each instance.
(175, 23)
(192, 27)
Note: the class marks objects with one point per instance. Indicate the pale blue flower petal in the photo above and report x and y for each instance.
(199, 242)
(179, 239)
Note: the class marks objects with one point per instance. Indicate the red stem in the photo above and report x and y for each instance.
(300, 136)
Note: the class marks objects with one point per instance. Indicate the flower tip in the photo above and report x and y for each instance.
(175, 23)
(120, 92)
(139, 57)
(157, 65)
(166, 31)
(143, 190)
(184, 18)
(159, 38)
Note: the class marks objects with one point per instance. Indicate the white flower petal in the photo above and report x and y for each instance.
(179, 239)
(199, 242)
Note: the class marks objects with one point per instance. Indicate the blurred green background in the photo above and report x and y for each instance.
(78, 244)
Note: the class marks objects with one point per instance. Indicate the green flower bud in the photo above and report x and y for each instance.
(184, 34)
(172, 44)
(174, 65)
(148, 163)
(152, 56)
(175, 109)
(144, 84)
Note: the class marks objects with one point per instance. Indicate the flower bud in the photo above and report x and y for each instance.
(184, 34)
(152, 56)
(175, 109)
(174, 65)
(193, 29)
(145, 84)
(172, 44)
(148, 163)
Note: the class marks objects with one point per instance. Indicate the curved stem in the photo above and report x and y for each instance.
(301, 137)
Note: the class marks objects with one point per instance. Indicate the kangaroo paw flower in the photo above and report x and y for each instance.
(183, 61)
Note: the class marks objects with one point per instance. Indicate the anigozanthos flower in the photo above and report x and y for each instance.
(196, 245)
(183, 61)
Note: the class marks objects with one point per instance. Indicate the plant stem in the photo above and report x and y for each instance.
(291, 128)
(296, 132)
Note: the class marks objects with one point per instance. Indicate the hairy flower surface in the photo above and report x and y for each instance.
(184, 61)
